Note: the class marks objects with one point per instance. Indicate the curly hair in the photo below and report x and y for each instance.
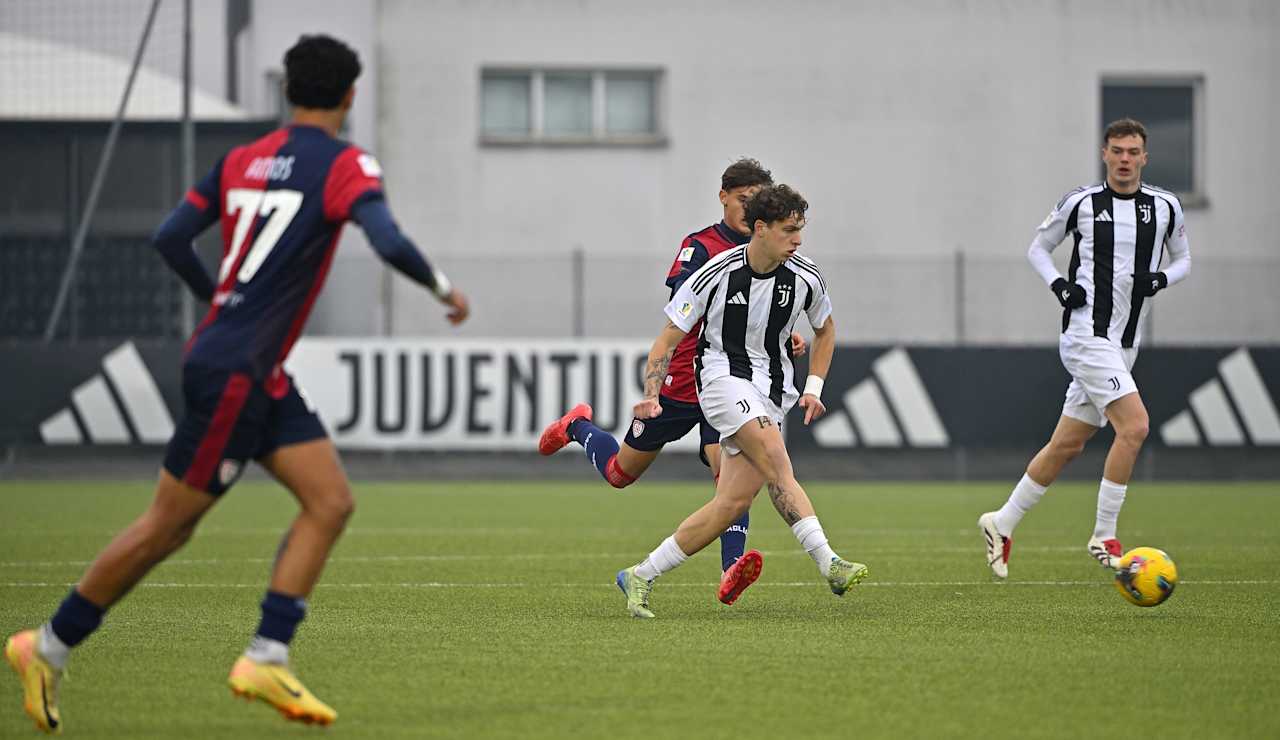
(745, 173)
(775, 203)
(318, 71)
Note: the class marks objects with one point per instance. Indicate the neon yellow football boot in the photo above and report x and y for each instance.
(636, 589)
(277, 686)
(39, 680)
(844, 575)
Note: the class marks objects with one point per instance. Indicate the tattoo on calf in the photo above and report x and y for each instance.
(784, 502)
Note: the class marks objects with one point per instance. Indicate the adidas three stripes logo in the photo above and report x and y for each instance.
(120, 405)
(1225, 408)
(890, 409)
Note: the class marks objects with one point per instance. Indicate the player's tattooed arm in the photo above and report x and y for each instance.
(785, 503)
(655, 370)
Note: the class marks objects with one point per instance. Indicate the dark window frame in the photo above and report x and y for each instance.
(1195, 196)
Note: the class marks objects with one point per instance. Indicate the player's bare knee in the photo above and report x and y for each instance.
(1134, 434)
(1067, 449)
(778, 466)
(732, 507)
(179, 537)
(160, 537)
(334, 508)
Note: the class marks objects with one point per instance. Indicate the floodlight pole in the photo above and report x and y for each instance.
(104, 161)
(188, 149)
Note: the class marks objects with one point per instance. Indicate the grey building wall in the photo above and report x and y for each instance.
(930, 137)
(916, 129)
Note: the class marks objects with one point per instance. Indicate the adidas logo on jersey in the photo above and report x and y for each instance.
(1238, 384)
(892, 409)
(1104, 216)
(739, 299)
(121, 405)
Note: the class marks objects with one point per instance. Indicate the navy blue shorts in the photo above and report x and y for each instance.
(675, 421)
(230, 419)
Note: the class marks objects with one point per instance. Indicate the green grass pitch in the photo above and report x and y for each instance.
(489, 610)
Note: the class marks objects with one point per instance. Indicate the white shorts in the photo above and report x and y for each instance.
(730, 402)
(1099, 375)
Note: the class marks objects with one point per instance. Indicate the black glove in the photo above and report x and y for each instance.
(1070, 295)
(1150, 283)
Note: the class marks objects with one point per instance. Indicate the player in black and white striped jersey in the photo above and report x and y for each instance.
(750, 297)
(1122, 228)
(740, 338)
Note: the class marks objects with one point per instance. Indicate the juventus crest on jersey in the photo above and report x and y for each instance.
(749, 318)
(1117, 236)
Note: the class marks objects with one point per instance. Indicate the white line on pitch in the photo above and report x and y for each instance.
(783, 584)
(876, 552)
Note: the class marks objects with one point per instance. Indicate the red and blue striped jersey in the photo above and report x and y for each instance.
(282, 201)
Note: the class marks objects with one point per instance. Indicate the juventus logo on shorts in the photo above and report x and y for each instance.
(1115, 383)
(746, 407)
(784, 296)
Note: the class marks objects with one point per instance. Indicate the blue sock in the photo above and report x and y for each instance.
(76, 619)
(600, 446)
(733, 542)
(280, 616)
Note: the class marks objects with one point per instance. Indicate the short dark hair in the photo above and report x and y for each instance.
(775, 203)
(1125, 127)
(319, 71)
(746, 172)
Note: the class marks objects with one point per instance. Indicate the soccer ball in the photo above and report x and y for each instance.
(1147, 576)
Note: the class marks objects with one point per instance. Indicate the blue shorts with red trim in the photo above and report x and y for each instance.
(675, 421)
(230, 419)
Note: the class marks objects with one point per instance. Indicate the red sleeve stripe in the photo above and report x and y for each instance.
(197, 200)
(209, 453)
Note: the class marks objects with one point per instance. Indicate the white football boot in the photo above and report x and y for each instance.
(998, 546)
(1106, 552)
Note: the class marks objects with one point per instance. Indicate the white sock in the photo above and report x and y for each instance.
(664, 558)
(1025, 495)
(809, 534)
(1110, 499)
(52, 649)
(265, 650)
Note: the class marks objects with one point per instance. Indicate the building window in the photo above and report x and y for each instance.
(505, 105)
(1170, 109)
(570, 107)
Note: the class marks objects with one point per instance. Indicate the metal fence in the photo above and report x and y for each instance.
(946, 299)
(124, 290)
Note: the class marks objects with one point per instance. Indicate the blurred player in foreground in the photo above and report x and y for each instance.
(282, 201)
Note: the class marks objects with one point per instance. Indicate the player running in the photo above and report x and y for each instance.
(749, 298)
(1122, 227)
(282, 201)
(621, 465)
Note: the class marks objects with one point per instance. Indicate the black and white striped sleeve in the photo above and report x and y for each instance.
(1051, 232)
(689, 304)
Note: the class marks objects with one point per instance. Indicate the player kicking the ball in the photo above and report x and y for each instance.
(1122, 227)
(748, 299)
(621, 465)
